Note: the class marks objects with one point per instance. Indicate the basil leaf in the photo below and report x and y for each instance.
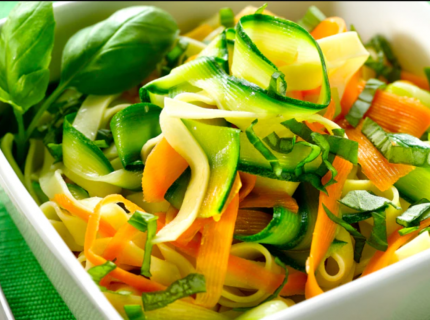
(382, 52)
(335, 246)
(362, 200)
(338, 132)
(145, 222)
(344, 148)
(191, 284)
(311, 19)
(26, 43)
(378, 236)
(260, 146)
(363, 102)
(281, 145)
(405, 231)
(298, 128)
(134, 312)
(99, 272)
(360, 240)
(320, 141)
(397, 147)
(414, 214)
(274, 294)
(356, 217)
(137, 37)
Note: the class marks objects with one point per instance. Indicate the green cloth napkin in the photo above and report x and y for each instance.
(28, 290)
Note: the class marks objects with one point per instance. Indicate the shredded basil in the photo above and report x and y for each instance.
(360, 240)
(405, 231)
(414, 215)
(320, 141)
(260, 146)
(338, 132)
(378, 236)
(356, 217)
(226, 17)
(397, 147)
(344, 148)
(311, 19)
(134, 312)
(363, 102)
(281, 145)
(145, 222)
(298, 128)
(362, 200)
(191, 284)
(97, 273)
(368, 206)
(380, 53)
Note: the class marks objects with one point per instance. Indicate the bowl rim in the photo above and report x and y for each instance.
(25, 205)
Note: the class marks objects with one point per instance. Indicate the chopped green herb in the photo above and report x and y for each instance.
(381, 53)
(397, 147)
(320, 141)
(281, 145)
(191, 284)
(145, 222)
(339, 132)
(363, 102)
(364, 201)
(356, 217)
(360, 240)
(99, 272)
(405, 231)
(378, 236)
(261, 147)
(414, 215)
(344, 148)
(134, 312)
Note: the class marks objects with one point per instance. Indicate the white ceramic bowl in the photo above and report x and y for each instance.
(397, 292)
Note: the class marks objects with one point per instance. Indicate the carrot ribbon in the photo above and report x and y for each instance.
(325, 229)
(163, 166)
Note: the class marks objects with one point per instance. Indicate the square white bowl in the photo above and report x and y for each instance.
(399, 291)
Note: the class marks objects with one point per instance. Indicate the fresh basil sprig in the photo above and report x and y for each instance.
(26, 42)
(115, 54)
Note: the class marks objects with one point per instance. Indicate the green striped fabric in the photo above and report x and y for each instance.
(27, 289)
